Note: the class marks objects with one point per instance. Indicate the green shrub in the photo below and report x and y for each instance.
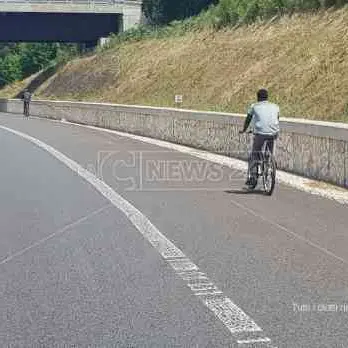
(10, 69)
(18, 61)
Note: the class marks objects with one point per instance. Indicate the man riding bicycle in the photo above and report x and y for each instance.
(265, 117)
(26, 102)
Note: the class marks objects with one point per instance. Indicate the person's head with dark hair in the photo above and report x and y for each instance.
(262, 95)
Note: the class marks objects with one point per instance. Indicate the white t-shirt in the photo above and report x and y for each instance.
(265, 118)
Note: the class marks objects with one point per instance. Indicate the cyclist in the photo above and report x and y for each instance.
(265, 117)
(26, 100)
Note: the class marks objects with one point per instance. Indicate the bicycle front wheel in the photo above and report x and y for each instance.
(269, 175)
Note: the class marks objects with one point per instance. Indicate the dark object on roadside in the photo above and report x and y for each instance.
(26, 102)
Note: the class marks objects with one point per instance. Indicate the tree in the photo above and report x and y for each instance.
(165, 11)
(10, 69)
(21, 60)
(37, 56)
(153, 11)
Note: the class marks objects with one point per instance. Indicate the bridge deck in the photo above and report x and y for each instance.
(69, 6)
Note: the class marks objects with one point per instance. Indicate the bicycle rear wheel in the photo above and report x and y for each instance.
(269, 174)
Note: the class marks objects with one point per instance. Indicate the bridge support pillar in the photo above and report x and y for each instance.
(131, 17)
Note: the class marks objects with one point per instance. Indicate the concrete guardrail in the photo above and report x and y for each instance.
(317, 150)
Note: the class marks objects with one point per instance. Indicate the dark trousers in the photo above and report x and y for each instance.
(26, 108)
(256, 155)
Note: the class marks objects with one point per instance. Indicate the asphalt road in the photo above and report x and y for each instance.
(75, 272)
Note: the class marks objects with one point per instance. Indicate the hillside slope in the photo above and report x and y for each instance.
(303, 60)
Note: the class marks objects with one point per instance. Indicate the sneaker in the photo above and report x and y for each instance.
(251, 183)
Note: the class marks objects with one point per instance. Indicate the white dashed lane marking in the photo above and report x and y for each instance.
(234, 319)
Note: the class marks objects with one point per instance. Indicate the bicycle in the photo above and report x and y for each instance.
(266, 167)
(26, 109)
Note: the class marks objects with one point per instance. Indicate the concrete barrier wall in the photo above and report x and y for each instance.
(317, 150)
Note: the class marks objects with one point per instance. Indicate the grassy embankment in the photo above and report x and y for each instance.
(302, 60)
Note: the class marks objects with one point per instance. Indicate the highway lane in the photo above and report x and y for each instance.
(269, 255)
(75, 272)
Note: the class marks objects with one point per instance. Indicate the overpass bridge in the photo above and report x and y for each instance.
(66, 20)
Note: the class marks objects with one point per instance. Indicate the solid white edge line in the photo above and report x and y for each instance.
(234, 319)
(339, 195)
(303, 184)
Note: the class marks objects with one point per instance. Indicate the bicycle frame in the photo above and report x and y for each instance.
(261, 167)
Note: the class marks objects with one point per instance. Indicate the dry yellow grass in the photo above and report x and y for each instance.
(12, 90)
(302, 60)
